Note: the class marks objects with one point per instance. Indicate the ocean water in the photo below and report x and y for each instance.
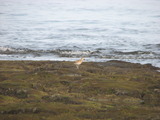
(99, 30)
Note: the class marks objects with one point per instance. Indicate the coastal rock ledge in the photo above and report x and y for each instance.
(57, 90)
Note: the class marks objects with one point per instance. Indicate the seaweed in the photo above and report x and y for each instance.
(52, 90)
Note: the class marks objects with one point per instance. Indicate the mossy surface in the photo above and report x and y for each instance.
(51, 90)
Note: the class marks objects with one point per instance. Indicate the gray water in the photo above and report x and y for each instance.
(98, 30)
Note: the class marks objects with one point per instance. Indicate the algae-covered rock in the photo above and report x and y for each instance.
(52, 90)
(60, 98)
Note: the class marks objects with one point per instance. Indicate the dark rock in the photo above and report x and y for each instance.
(63, 99)
(121, 92)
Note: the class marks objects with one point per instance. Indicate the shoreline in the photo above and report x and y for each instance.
(56, 90)
(95, 61)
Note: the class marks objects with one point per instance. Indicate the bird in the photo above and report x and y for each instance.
(79, 62)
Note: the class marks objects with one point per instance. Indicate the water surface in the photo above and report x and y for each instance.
(98, 30)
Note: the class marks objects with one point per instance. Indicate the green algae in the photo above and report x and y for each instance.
(51, 90)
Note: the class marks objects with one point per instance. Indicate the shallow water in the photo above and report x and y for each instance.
(98, 30)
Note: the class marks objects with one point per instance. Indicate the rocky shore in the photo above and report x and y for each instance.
(53, 90)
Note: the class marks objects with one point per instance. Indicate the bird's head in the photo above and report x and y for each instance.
(82, 59)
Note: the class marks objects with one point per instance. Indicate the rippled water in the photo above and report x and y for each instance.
(99, 30)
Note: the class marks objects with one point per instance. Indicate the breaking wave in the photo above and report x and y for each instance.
(100, 53)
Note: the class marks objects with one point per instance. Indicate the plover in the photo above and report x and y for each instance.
(78, 62)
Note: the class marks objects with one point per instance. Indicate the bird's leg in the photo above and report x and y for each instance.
(77, 66)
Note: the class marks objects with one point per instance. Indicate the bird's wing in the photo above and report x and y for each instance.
(77, 61)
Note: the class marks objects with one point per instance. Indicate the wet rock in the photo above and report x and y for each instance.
(59, 98)
(2, 112)
(35, 110)
(157, 90)
(20, 111)
(121, 92)
(20, 93)
(64, 82)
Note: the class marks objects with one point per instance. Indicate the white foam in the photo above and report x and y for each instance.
(76, 52)
(2, 48)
